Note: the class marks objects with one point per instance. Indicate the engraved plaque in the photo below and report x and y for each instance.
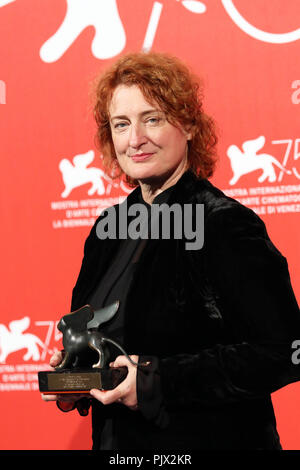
(80, 381)
(72, 381)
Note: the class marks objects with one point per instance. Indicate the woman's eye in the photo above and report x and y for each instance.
(120, 125)
(153, 120)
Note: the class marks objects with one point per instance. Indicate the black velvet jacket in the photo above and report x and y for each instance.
(217, 324)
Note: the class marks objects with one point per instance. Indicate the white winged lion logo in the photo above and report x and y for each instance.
(245, 162)
(13, 339)
(77, 174)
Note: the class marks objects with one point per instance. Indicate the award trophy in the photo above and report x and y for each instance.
(86, 355)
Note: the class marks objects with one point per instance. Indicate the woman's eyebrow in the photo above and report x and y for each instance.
(144, 113)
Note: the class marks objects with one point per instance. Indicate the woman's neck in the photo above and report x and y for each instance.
(151, 189)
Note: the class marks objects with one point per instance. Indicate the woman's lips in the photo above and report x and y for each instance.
(141, 156)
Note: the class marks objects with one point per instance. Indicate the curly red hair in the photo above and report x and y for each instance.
(168, 82)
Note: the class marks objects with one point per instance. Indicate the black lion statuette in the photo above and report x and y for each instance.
(82, 338)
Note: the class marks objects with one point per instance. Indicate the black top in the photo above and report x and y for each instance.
(219, 322)
(113, 286)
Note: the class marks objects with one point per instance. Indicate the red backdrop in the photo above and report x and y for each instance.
(247, 54)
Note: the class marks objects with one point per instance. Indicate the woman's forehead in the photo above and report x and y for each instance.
(127, 99)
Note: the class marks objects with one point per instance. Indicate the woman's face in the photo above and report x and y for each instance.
(146, 144)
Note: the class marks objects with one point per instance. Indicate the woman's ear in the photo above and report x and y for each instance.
(189, 136)
(188, 133)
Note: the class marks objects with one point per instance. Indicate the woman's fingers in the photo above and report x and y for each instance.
(64, 397)
(123, 361)
(125, 392)
(56, 359)
(47, 397)
(106, 396)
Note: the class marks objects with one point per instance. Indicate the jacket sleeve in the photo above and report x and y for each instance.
(259, 310)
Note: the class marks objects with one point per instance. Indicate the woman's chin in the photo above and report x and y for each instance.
(139, 173)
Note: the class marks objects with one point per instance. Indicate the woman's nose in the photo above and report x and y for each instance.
(137, 136)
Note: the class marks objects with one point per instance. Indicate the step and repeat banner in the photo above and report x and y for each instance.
(53, 185)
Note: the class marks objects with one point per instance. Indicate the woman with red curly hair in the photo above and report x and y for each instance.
(168, 83)
(210, 326)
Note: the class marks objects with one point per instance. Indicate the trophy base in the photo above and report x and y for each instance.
(79, 380)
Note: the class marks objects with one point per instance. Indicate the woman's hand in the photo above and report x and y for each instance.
(65, 400)
(125, 392)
